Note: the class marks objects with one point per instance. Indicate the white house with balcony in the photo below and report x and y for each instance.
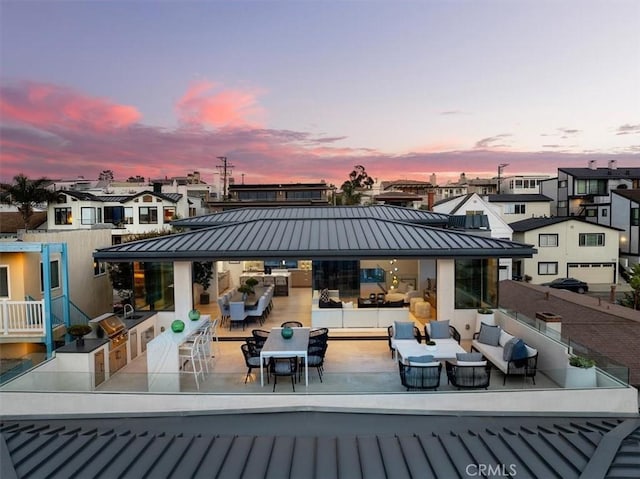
(567, 247)
(128, 214)
(625, 215)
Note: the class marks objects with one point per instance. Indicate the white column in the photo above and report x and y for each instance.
(445, 274)
(182, 288)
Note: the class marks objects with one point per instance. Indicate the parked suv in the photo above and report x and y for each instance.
(571, 284)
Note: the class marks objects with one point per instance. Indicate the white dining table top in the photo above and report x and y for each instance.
(299, 342)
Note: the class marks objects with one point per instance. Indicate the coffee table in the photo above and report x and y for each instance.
(445, 349)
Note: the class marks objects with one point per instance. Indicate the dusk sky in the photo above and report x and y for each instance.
(301, 91)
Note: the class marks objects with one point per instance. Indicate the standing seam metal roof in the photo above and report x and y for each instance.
(382, 212)
(317, 238)
(581, 449)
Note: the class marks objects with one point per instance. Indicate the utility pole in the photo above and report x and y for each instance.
(225, 170)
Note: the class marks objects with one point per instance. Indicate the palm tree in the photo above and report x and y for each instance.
(26, 194)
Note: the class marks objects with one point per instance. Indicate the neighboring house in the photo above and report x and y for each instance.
(521, 184)
(399, 198)
(482, 186)
(516, 207)
(472, 204)
(12, 222)
(625, 215)
(42, 275)
(449, 191)
(277, 194)
(586, 192)
(567, 247)
(129, 214)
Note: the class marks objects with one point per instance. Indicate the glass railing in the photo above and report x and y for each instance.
(603, 362)
(344, 383)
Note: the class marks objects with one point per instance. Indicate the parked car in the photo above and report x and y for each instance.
(570, 284)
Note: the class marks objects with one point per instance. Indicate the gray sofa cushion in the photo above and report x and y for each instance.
(489, 335)
(439, 329)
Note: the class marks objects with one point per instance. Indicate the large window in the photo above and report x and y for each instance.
(547, 240)
(591, 239)
(54, 277)
(476, 283)
(63, 216)
(148, 215)
(169, 213)
(90, 216)
(304, 195)
(547, 268)
(114, 214)
(99, 268)
(591, 187)
(4, 282)
(515, 209)
(153, 286)
(257, 195)
(128, 215)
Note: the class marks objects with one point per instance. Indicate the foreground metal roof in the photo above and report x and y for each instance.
(382, 212)
(580, 448)
(314, 239)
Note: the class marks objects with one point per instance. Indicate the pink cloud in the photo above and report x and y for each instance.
(205, 104)
(48, 130)
(45, 105)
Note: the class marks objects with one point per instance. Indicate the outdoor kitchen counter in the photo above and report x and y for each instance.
(141, 317)
(89, 346)
(163, 363)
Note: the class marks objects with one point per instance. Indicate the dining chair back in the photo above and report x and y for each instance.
(237, 313)
(291, 324)
(284, 367)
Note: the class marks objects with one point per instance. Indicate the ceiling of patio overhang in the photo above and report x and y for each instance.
(381, 212)
(314, 239)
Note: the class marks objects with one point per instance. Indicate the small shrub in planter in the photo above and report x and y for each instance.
(581, 362)
(251, 282)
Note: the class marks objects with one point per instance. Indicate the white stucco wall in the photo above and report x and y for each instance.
(568, 250)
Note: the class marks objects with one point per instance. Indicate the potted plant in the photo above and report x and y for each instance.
(251, 282)
(245, 289)
(484, 315)
(202, 274)
(581, 373)
(78, 331)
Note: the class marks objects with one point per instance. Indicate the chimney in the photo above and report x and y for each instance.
(613, 165)
(592, 165)
(431, 196)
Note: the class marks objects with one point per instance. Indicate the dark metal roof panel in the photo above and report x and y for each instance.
(314, 238)
(383, 212)
(582, 449)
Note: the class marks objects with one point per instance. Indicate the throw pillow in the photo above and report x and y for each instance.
(507, 352)
(403, 330)
(468, 357)
(324, 295)
(519, 351)
(439, 329)
(489, 335)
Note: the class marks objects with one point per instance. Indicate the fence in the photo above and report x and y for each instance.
(22, 317)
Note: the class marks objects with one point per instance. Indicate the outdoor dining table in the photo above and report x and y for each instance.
(278, 347)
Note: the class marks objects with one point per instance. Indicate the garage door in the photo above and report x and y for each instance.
(592, 272)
